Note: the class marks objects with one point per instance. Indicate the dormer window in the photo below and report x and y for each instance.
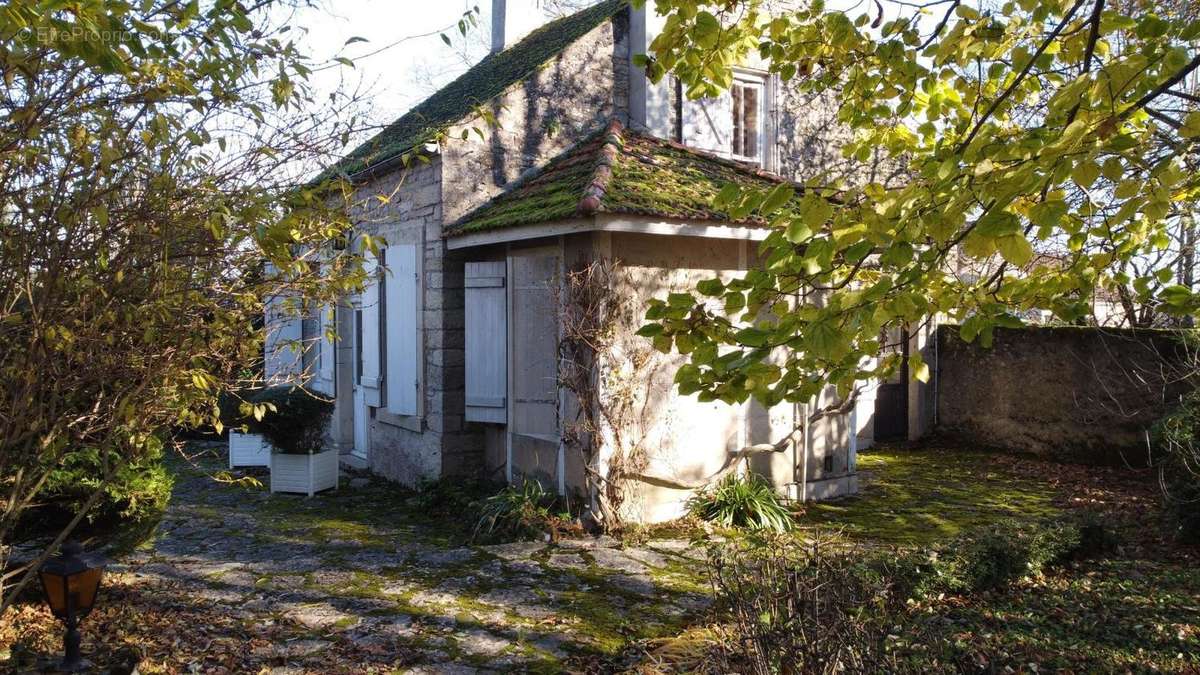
(734, 124)
(746, 141)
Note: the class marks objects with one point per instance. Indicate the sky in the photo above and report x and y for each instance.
(403, 58)
(399, 75)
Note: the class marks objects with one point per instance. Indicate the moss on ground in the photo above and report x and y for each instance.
(923, 497)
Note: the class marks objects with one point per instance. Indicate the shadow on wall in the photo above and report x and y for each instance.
(1070, 393)
(561, 104)
(811, 139)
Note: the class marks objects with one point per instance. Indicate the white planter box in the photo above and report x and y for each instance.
(248, 450)
(306, 474)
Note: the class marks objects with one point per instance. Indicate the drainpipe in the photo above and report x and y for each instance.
(937, 372)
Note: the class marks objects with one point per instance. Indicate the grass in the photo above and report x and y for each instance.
(921, 497)
(1137, 610)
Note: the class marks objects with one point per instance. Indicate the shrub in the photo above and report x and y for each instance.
(1177, 438)
(826, 606)
(738, 501)
(131, 505)
(294, 420)
(811, 607)
(518, 512)
(451, 495)
(1005, 552)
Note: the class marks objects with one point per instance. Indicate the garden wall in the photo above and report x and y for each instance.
(1070, 393)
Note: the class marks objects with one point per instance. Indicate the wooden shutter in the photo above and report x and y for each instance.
(486, 342)
(371, 379)
(282, 350)
(403, 337)
(535, 345)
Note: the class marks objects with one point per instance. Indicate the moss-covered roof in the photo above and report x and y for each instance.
(484, 81)
(620, 171)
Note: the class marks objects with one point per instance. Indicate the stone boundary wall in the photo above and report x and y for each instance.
(1078, 394)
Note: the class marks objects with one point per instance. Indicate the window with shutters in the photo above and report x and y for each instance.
(486, 325)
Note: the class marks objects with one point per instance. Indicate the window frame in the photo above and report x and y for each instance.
(758, 82)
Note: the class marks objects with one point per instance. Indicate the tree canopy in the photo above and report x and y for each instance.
(1047, 150)
(152, 171)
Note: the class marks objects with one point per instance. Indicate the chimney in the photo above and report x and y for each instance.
(513, 20)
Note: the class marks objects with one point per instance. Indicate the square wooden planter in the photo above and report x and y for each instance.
(306, 474)
(248, 450)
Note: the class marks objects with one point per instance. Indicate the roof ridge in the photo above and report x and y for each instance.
(593, 194)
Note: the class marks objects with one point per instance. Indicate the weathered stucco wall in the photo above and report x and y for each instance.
(680, 436)
(1077, 394)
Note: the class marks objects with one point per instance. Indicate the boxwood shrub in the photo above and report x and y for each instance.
(295, 419)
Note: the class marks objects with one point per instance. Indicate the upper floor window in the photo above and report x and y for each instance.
(734, 124)
(747, 137)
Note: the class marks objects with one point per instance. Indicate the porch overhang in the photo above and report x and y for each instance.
(604, 222)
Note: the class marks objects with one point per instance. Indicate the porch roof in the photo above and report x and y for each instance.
(617, 170)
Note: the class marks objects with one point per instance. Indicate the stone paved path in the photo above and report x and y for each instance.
(364, 565)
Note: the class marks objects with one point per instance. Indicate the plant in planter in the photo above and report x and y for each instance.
(292, 421)
(246, 447)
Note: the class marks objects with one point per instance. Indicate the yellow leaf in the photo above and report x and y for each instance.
(1015, 249)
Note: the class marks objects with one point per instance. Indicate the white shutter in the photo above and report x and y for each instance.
(486, 336)
(403, 338)
(283, 347)
(371, 380)
(708, 123)
(326, 354)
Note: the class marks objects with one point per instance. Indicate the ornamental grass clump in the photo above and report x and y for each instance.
(742, 501)
(518, 512)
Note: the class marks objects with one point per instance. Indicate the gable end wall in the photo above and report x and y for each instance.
(582, 88)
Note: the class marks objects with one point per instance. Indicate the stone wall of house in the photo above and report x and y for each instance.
(575, 93)
(434, 443)
(1070, 393)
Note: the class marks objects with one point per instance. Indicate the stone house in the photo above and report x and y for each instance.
(448, 363)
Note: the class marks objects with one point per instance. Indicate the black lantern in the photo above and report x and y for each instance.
(70, 581)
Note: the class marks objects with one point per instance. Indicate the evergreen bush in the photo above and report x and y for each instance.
(1177, 437)
(130, 506)
(293, 418)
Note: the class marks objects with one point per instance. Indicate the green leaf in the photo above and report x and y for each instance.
(797, 231)
(711, 287)
(1085, 173)
(1015, 248)
(818, 213)
(918, 367)
(752, 337)
(728, 194)
(777, 197)
(1191, 125)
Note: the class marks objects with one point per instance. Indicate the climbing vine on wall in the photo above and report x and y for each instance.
(602, 373)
